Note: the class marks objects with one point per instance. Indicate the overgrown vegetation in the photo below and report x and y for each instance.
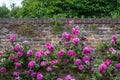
(64, 9)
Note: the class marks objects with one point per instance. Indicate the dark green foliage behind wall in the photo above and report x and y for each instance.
(65, 9)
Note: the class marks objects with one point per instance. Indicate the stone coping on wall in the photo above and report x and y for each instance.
(65, 20)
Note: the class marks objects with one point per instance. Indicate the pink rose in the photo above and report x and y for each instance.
(107, 62)
(114, 37)
(38, 54)
(49, 46)
(77, 62)
(29, 53)
(48, 69)
(75, 30)
(75, 41)
(71, 53)
(81, 67)
(102, 68)
(60, 53)
(87, 50)
(20, 54)
(31, 64)
(12, 37)
(117, 65)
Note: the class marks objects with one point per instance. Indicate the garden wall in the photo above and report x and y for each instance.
(39, 31)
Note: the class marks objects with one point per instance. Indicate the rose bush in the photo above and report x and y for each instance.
(110, 61)
(71, 52)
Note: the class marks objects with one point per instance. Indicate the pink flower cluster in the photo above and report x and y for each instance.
(117, 65)
(18, 47)
(38, 54)
(103, 67)
(35, 75)
(61, 53)
(29, 53)
(49, 46)
(66, 36)
(87, 50)
(75, 41)
(71, 53)
(31, 64)
(3, 69)
(12, 37)
(1, 52)
(113, 40)
(85, 59)
(75, 30)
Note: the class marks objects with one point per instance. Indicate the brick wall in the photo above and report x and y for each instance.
(39, 31)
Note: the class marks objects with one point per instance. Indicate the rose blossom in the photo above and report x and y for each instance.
(49, 46)
(75, 41)
(31, 64)
(47, 53)
(112, 42)
(102, 68)
(29, 53)
(18, 64)
(3, 69)
(77, 62)
(87, 62)
(117, 65)
(48, 69)
(25, 42)
(53, 62)
(20, 54)
(43, 63)
(118, 55)
(16, 60)
(38, 54)
(12, 37)
(68, 77)
(107, 62)
(84, 38)
(18, 47)
(30, 71)
(112, 50)
(16, 73)
(39, 76)
(71, 22)
(60, 53)
(1, 52)
(66, 36)
(17, 78)
(71, 53)
(87, 50)
(75, 30)
(86, 58)
(81, 67)
(11, 57)
(114, 37)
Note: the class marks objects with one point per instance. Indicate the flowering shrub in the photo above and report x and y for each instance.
(71, 52)
(110, 62)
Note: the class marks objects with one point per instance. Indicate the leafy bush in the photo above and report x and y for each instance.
(110, 53)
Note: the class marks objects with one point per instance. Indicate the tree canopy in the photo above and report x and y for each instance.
(67, 9)
(4, 11)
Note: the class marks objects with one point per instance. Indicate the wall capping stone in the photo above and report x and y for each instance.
(65, 20)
